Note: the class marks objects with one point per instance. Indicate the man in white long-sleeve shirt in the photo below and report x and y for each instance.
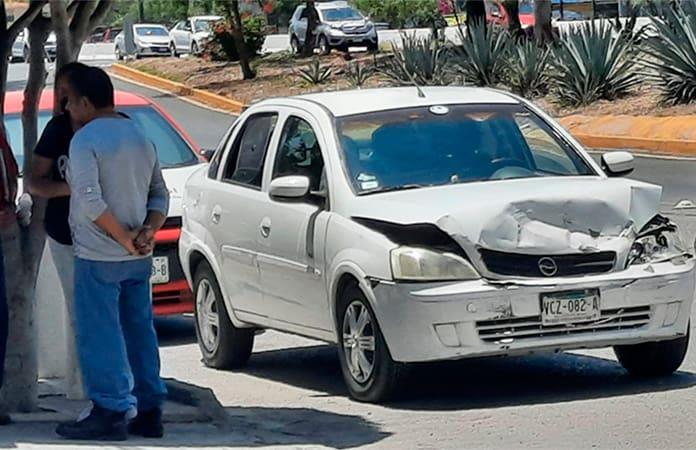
(118, 201)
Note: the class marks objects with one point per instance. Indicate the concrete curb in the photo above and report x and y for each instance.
(672, 136)
(201, 96)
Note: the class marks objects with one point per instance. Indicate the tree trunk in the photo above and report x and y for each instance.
(512, 8)
(25, 247)
(310, 36)
(542, 21)
(238, 35)
(475, 13)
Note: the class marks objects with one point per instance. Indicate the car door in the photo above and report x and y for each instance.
(186, 35)
(174, 34)
(300, 24)
(234, 211)
(290, 246)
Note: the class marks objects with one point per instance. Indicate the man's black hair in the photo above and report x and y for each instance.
(94, 84)
(69, 68)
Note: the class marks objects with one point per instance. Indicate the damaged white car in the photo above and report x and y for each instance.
(410, 225)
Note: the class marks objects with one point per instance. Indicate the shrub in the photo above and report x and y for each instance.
(672, 56)
(221, 46)
(528, 71)
(482, 55)
(592, 63)
(358, 74)
(315, 73)
(419, 59)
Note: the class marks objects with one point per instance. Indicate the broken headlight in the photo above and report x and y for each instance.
(418, 264)
(658, 241)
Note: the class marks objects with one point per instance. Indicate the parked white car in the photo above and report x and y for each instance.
(149, 39)
(412, 225)
(190, 35)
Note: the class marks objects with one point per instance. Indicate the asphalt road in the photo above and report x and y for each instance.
(292, 392)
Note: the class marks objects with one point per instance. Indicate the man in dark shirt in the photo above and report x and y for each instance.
(48, 181)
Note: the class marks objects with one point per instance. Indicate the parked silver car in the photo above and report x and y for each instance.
(20, 47)
(340, 26)
(190, 35)
(149, 40)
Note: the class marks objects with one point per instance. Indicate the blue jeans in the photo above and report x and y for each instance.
(116, 339)
(3, 317)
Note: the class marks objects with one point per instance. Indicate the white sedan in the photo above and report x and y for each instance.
(412, 225)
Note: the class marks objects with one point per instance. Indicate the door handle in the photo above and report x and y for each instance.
(216, 215)
(265, 227)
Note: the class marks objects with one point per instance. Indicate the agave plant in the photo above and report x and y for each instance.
(482, 55)
(591, 63)
(358, 74)
(672, 56)
(315, 73)
(420, 60)
(528, 71)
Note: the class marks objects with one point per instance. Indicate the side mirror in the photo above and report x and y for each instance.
(290, 187)
(617, 164)
(208, 154)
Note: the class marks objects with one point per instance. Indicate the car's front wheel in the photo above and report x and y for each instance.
(653, 359)
(295, 45)
(194, 48)
(172, 50)
(222, 345)
(324, 47)
(367, 366)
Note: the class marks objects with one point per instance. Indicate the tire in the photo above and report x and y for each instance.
(373, 47)
(295, 45)
(119, 55)
(228, 347)
(194, 48)
(385, 377)
(172, 50)
(324, 46)
(25, 54)
(653, 359)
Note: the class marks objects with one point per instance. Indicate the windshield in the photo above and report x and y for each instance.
(340, 14)
(432, 146)
(202, 25)
(151, 31)
(172, 149)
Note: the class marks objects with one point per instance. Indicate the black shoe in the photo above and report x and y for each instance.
(5, 420)
(100, 425)
(147, 424)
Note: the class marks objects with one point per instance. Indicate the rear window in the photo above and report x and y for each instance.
(172, 149)
(151, 31)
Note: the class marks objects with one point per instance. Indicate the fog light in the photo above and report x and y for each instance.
(671, 314)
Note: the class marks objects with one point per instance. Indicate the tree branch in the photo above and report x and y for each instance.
(79, 25)
(25, 19)
(100, 13)
(3, 19)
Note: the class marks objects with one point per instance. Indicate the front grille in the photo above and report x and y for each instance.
(521, 265)
(519, 329)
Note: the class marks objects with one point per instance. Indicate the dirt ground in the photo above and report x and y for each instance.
(277, 76)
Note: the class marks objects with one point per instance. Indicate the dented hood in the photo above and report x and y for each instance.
(532, 216)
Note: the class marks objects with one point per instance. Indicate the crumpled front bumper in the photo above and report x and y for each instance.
(439, 321)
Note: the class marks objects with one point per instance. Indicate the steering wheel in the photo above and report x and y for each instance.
(507, 167)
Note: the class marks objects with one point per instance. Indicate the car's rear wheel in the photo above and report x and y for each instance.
(222, 345)
(653, 359)
(367, 366)
(324, 47)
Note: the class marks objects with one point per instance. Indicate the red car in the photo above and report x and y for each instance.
(179, 157)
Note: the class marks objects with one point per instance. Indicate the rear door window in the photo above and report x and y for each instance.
(245, 162)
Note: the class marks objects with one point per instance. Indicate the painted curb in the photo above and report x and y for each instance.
(199, 95)
(672, 136)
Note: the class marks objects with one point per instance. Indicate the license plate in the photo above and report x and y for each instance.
(160, 270)
(570, 307)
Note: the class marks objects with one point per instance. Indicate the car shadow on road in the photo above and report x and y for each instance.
(473, 383)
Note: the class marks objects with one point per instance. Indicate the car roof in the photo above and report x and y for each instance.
(206, 17)
(331, 5)
(361, 101)
(14, 99)
(143, 25)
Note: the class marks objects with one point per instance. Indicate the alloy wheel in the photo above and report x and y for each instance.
(207, 315)
(359, 341)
